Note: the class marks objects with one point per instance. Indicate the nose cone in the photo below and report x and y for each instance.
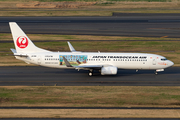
(170, 63)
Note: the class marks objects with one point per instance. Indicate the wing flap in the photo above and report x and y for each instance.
(89, 67)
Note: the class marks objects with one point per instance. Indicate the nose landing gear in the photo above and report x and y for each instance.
(158, 70)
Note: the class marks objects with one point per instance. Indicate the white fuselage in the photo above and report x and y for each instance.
(119, 60)
(106, 63)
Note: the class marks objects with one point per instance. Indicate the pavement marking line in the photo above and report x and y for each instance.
(164, 36)
(88, 113)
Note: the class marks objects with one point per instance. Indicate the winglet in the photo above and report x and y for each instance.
(66, 62)
(71, 47)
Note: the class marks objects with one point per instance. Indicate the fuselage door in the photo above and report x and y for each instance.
(154, 61)
(39, 59)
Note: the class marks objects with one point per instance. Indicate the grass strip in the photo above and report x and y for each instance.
(101, 8)
(90, 96)
(56, 13)
(88, 113)
(79, 12)
(85, 0)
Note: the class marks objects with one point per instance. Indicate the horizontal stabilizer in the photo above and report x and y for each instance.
(18, 54)
(13, 50)
(21, 55)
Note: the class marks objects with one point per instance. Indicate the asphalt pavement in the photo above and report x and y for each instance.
(142, 25)
(40, 76)
(89, 118)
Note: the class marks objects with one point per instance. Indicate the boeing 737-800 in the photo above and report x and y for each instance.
(106, 63)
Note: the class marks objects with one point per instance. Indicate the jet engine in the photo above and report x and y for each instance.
(109, 70)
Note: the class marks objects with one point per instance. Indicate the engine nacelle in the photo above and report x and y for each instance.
(110, 70)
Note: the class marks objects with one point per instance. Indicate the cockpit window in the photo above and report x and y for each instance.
(163, 59)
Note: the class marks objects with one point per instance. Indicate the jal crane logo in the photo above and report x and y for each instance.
(22, 42)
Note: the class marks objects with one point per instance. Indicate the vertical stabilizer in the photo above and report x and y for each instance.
(21, 41)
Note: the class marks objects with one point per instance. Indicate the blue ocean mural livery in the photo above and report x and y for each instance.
(74, 60)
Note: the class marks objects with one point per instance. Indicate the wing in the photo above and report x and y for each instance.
(66, 62)
(87, 67)
(71, 47)
(82, 66)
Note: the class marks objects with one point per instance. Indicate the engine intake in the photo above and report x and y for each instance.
(110, 70)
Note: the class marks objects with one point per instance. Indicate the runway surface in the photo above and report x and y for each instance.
(89, 118)
(149, 25)
(39, 76)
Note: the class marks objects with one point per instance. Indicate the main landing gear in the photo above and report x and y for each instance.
(90, 72)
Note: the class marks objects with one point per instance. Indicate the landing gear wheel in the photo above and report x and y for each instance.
(90, 74)
(156, 73)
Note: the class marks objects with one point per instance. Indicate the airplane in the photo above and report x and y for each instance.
(105, 63)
